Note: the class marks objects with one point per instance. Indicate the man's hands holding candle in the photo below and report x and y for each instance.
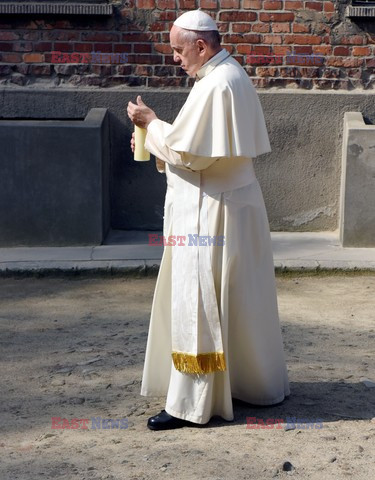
(160, 164)
(140, 114)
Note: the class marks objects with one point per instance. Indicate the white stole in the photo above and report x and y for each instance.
(197, 345)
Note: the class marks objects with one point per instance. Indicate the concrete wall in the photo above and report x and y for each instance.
(300, 178)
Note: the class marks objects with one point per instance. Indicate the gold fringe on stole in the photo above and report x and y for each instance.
(201, 363)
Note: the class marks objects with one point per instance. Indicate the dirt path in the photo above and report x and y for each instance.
(74, 348)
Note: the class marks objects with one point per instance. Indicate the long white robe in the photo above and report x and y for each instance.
(230, 204)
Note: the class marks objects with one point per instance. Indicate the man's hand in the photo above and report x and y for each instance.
(132, 142)
(160, 165)
(140, 114)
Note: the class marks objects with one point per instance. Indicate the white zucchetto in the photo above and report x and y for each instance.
(195, 20)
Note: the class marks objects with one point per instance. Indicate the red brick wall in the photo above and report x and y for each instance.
(261, 35)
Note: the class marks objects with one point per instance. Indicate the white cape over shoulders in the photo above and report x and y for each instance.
(222, 116)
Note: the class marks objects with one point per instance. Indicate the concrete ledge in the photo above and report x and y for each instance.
(294, 252)
(360, 11)
(55, 8)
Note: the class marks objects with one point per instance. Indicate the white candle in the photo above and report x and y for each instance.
(140, 153)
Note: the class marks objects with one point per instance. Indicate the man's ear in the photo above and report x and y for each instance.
(201, 46)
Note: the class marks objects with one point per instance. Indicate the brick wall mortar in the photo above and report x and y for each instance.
(260, 34)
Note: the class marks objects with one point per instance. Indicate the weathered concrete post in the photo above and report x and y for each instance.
(357, 216)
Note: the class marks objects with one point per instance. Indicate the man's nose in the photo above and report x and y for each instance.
(176, 58)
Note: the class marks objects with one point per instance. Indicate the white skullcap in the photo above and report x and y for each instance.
(195, 20)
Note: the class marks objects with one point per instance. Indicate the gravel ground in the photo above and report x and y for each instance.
(73, 347)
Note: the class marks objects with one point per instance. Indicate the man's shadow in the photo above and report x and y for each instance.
(308, 406)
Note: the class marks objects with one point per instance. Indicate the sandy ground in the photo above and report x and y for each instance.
(73, 347)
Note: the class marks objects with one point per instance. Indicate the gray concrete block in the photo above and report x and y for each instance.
(54, 178)
(357, 219)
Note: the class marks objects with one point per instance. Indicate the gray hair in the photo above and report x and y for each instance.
(211, 37)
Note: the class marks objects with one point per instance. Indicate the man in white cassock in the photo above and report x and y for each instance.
(214, 330)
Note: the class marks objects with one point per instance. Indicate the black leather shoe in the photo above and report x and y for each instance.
(164, 421)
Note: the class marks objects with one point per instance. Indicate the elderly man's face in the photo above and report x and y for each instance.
(190, 56)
